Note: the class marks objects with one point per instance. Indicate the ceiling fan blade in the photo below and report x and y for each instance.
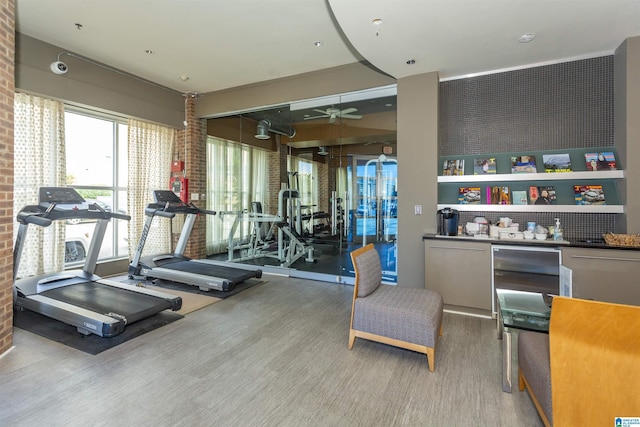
(321, 111)
(351, 116)
(347, 111)
(316, 117)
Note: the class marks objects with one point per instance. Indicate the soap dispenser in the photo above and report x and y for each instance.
(557, 230)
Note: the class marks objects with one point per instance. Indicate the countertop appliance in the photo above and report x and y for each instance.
(448, 222)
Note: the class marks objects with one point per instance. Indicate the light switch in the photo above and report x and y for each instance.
(195, 196)
(418, 209)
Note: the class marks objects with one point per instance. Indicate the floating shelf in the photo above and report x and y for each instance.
(536, 208)
(560, 176)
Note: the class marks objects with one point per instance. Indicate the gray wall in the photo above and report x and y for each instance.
(91, 86)
(417, 172)
(627, 129)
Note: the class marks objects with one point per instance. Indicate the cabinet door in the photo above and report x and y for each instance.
(459, 271)
(608, 275)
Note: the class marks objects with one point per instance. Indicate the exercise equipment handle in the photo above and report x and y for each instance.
(28, 218)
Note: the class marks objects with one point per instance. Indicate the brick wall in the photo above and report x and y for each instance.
(195, 160)
(7, 88)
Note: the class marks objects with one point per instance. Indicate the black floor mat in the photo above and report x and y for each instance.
(92, 344)
(249, 283)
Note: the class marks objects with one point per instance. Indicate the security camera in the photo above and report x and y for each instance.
(59, 67)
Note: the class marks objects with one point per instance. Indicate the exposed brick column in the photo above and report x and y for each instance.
(195, 136)
(7, 89)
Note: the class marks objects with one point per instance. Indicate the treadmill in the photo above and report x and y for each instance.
(205, 274)
(79, 297)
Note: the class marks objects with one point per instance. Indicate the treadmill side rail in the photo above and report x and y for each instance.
(86, 321)
(175, 301)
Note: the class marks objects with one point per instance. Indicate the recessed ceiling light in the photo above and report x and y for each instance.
(376, 23)
(184, 78)
(318, 44)
(526, 38)
(411, 61)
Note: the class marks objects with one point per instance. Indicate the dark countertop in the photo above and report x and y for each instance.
(594, 244)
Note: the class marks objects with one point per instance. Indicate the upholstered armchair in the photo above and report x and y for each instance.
(587, 370)
(409, 318)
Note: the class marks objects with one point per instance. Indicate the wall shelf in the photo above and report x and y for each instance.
(535, 208)
(560, 176)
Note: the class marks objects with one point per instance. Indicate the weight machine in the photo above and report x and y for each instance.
(289, 245)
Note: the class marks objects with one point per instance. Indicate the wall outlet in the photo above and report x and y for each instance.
(418, 209)
(195, 196)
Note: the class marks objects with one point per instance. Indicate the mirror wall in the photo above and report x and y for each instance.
(298, 186)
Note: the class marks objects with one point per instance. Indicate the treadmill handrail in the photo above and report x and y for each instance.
(33, 218)
(151, 211)
(28, 213)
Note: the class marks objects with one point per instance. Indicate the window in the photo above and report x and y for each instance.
(236, 177)
(303, 176)
(96, 163)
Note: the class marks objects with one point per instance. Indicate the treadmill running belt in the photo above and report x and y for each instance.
(103, 299)
(232, 275)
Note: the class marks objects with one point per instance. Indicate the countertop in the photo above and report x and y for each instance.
(549, 242)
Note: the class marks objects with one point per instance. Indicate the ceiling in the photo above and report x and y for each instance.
(209, 45)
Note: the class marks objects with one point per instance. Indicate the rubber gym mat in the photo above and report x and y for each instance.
(93, 344)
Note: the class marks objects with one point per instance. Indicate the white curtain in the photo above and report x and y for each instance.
(39, 161)
(307, 180)
(150, 156)
(236, 176)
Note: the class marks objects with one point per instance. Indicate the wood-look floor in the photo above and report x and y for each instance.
(273, 355)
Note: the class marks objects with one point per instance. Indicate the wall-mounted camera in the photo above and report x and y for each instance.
(59, 67)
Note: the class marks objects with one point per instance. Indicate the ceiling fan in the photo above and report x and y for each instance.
(333, 113)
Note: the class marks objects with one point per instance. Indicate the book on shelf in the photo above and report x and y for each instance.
(545, 195)
(453, 167)
(557, 162)
(498, 196)
(469, 195)
(589, 195)
(519, 197)
(523, 164)
(484, 166)
(602, 161)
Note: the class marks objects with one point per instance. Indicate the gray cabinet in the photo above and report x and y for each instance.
(460, 271)
(609, 275)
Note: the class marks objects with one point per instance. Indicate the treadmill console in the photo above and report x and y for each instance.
(62, 197)
(167, 196)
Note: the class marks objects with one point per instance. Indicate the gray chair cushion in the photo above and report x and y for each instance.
(406, 314)
(533, 361)
(369, 272)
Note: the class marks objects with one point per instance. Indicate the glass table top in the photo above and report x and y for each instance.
(523, 310)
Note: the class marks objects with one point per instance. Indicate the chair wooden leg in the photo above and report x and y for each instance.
(441, 329)
(521, 384)
(431, 358)
(352, 338)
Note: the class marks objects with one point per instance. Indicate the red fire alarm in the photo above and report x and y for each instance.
(177, 166)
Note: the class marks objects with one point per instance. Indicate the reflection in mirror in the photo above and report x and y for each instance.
(314, 152)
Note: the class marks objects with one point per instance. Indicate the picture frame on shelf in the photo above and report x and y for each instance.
(484, 165)
(602, 161)
(543, 195)
(523, 164)
(498, 195)
(453, 167)
(589, 195)
(554, 163)
(519, 197)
